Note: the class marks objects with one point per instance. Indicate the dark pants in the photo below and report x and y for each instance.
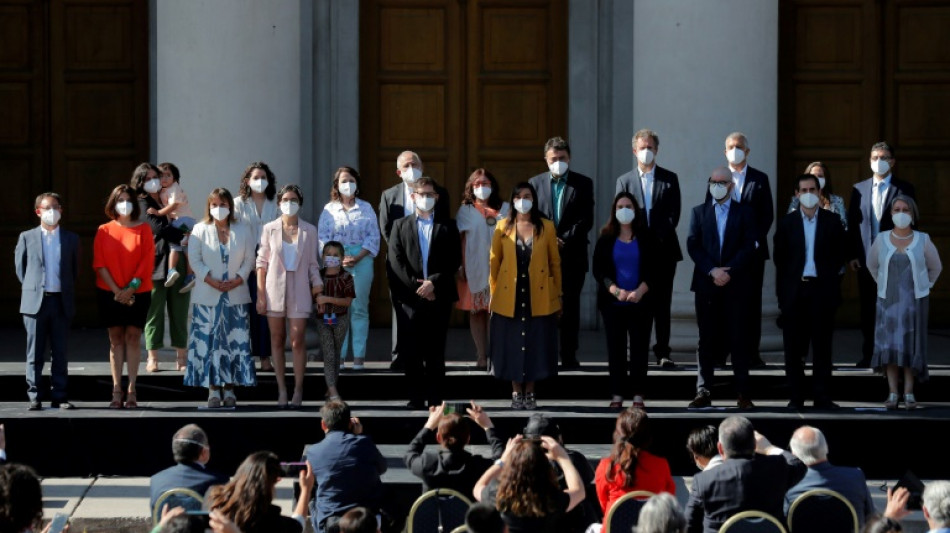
(572, 281)
(260, 331)
(51, 323)
(867, 295)
(422, 349)
(660, 301)
(809, 321)
(623, 323)
(753, 320)
(721, 316)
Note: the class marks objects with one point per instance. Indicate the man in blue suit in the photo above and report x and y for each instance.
(809, 444)
(192, 453)
(47, 259)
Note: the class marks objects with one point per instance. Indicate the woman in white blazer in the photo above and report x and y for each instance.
(221, 253)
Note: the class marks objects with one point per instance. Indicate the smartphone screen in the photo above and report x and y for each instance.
(293, 469)
(454, 407)
(59, 523)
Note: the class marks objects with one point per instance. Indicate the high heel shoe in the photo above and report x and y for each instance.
(297, 401)
(892, 400)
(230, 400)
(181, 362)
(910, 402)
(282, 400)
(131, 402)
(214, 398)
(116, 400)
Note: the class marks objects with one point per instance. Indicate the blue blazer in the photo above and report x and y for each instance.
(849, 481)
(861, 212)
(31, 270)
(183, 475)
(738, 245)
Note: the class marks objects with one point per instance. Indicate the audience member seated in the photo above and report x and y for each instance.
(359, 520)
(809, 445)
(661, 514)
(248, 498)
(529, 497)
(176, 521)
(630, 466)
(751, 476)
(21, 499)
(191, 452)
(484, 518)
(701, 444)
(937, 506)
(451, 466)
(347, 466)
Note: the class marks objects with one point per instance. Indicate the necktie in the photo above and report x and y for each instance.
(647, 181)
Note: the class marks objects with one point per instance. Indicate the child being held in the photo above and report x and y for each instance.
(331, 316)
(176, 208)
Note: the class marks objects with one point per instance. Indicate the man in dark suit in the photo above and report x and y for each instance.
(809, 445)
(424, 255)
(869, 213)
(721, 243)
(657, 190)
(567, 198)
(394, 204)
(809, 253)
(754, 474)
(47, 262)
(192, 453)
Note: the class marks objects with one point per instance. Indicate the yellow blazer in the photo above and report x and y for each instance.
(544, 271)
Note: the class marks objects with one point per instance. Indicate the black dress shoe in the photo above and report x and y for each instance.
(826, 404)
(666, 362)
(701, 400)
(35, 405)
(744, 403)
(61, 404)
(797, 405)
(397, 365)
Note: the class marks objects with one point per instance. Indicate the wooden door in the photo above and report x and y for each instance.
(463, 84)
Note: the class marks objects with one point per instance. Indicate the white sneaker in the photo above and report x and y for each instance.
(172, 277)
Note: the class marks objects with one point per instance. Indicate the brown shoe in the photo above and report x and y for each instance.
(744, 403)
(701, 400)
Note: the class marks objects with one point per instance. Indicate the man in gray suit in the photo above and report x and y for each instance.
(47, 260)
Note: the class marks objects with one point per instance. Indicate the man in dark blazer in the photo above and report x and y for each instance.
(567, 198)
(424, 255)
(192, 453)
(721, 243)
(657, 190)
(809, 253)
(754, 474)
(47, 262)
(394, 204)
(869, 213)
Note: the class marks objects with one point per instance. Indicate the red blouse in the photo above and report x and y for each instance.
(652, 474)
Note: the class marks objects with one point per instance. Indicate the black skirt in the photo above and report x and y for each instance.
(114, 314)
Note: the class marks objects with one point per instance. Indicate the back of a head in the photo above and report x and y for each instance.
(661, 514)
(540, 425)
(335, 415)
(358, 520)
(737, 437)
(702, 441)
(21, 498)
(483, 518)
(937, 501)
(528, 484)
(453, 432)
(808, 444)
(184, 524)
(246, 498)
(188, 443)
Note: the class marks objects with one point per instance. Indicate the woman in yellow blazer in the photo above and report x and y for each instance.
(525, 283)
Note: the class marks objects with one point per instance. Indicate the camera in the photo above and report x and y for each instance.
(292, 469)
(455, 407)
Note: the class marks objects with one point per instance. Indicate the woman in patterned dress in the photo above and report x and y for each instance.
(221, 253)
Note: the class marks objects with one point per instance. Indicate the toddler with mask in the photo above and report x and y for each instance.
(176, 208)
(331, 312)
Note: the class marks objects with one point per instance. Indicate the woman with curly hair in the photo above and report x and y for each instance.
(529, 497)
(248, 498)
(630, 466)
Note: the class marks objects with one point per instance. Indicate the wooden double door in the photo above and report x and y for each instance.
(465, 84)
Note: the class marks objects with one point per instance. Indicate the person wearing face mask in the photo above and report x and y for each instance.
(221, 252)
(47, 261)
(869, 213)
(624, 267)
(905, 264)
(525, 279)
(255, 206)
(395, 203)
(424, 255)
(288, 280)
(351, 221)
(657, 191)
(809, 253)
(333, 316)
(566, 197)
(123, 258)
(826, 197)
(481, 209)
(721, 243)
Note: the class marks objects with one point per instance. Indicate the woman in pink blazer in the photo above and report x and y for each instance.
(288, 279)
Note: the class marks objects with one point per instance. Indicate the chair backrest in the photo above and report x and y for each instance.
(460, 529)
(438, 511)
(752, 522)
(821, 510)
(178, 497)
(625, 512)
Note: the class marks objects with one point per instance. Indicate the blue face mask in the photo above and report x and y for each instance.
(331, 261)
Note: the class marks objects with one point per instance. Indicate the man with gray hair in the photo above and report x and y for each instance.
(754, 474)
(661, 514)
(191, 452)
(808, 444)
(937, 506)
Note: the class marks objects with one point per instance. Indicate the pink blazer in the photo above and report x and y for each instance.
(270, 257)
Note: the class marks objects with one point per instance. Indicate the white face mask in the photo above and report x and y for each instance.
(289, 208)
(152, 186)
(347, 188)
(123, 208)
(523, 205)
(411, 174)
(718, 190)
(880, 167)
(735, 155)
(482, 193)
(645, 156)
(558, 168)
(50, 217)
(901, 220)
(425, 204)
(258, 185)
(219, 212)
(625, 215)
(821, 183)
(331, 261)
(808, 200)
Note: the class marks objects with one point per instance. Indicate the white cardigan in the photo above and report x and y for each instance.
(924, 262)
(205, 258)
